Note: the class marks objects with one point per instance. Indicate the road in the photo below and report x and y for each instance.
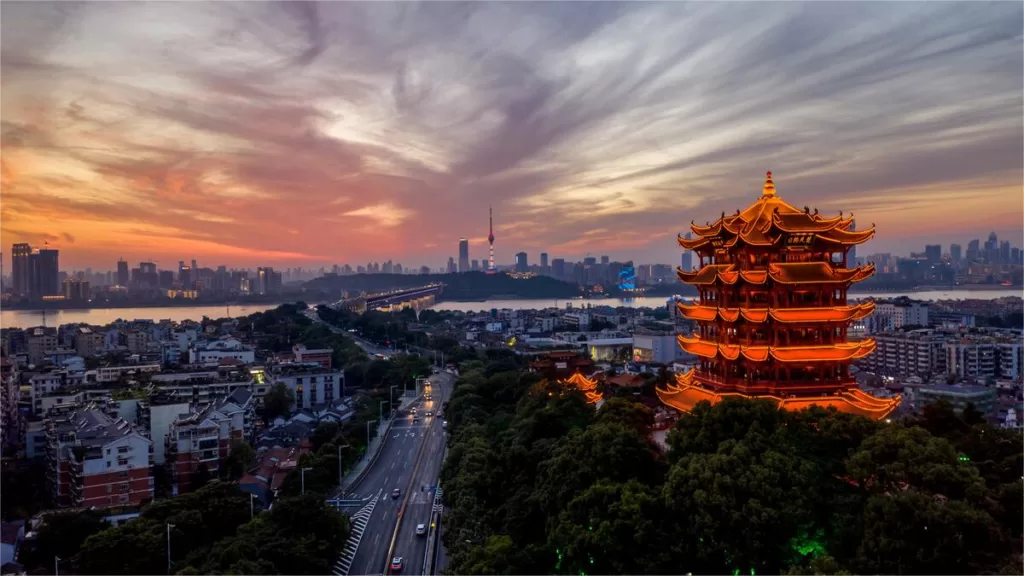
(410, 460)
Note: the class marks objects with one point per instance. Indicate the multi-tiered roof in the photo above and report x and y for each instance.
(585, 385)
(772, 315)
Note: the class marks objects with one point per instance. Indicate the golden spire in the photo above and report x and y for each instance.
(769, 186)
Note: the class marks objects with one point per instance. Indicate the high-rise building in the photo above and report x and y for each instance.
(543, 262)
(974, 250)
(604, 260)
(687, 262)
(122, 272)
(558, 268)
(521, 265)
(798, 355)
(185, 277)
(452, 269)
(851, 256)
(21, 270)
(1004, 252)
(463, 255)
(955, 253)
(45, 273)
(475, 265)
(933, 252)
(76, 290)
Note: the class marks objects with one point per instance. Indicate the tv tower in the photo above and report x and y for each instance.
(490, 239)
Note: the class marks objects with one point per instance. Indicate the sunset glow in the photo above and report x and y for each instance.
(293, 134)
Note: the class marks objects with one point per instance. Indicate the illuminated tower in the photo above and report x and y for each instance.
(772, 316)
(490, 240)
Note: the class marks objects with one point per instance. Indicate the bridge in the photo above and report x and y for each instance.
(416, 298)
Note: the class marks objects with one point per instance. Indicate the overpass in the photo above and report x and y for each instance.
(417, 298)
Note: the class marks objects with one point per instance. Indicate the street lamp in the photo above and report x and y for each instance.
(251, 498)
(380, 411)
(56, 566)
(304, 479)
(169, 526)
(368, 436)
(341, 465)
(393, 386)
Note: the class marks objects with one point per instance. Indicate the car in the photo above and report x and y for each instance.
(429, 413)
(396, 493)
(415, 420)
(396, 564)
(444, 424)
(421, 529)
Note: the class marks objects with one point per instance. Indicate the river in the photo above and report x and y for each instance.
(659, 301)
(102, 316)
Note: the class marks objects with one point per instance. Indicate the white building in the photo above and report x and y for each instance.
(895, 315)
(212, 352)
(312, 386)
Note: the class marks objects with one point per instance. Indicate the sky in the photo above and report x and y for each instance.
(295, 134)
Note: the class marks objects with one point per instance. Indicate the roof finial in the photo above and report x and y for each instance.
(769, 186)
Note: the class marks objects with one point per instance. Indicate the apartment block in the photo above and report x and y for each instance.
(201, 439)
(94, 460)
(895, 315)
(212, 352)
(88, 342)
(914, 353)
(312, 386)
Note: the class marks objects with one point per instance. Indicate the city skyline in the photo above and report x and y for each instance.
(209, 131)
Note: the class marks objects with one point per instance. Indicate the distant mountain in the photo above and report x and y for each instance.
(466, 286)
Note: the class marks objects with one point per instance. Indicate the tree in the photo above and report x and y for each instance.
(61, 535)
(278, 401)
(240, 458)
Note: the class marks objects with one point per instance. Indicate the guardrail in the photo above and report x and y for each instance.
(430, 554)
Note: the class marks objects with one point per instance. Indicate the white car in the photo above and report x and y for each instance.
(421, 529)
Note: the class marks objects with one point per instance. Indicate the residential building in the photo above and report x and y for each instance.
(896, 315)
(201, 439)
(212, 352)
(94, 460)
(312, 386)
(88, 342)
(106, 374)
(913, 353)
(320, 356)
(39, 341)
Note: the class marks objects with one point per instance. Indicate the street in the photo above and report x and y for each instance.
(410, 460)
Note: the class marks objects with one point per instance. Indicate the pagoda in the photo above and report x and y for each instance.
(772, 315)
(580, 382)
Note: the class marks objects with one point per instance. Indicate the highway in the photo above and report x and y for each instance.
(410, 460)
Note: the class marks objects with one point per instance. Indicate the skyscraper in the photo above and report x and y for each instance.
(463, 255)
(955, 253)
(451, 265)
(122, 272)
(45, 273)
(687, 263)
(851, 256)
(490, 240)
(20, 269)
(543, 262)
(521, 265)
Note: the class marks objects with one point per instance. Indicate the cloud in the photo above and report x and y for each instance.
(290, 133)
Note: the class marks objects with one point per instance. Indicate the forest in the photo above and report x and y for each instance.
(538, 482)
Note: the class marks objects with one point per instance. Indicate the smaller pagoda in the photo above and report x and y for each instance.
(580, 382)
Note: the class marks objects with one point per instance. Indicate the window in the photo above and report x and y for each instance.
(123, 449)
